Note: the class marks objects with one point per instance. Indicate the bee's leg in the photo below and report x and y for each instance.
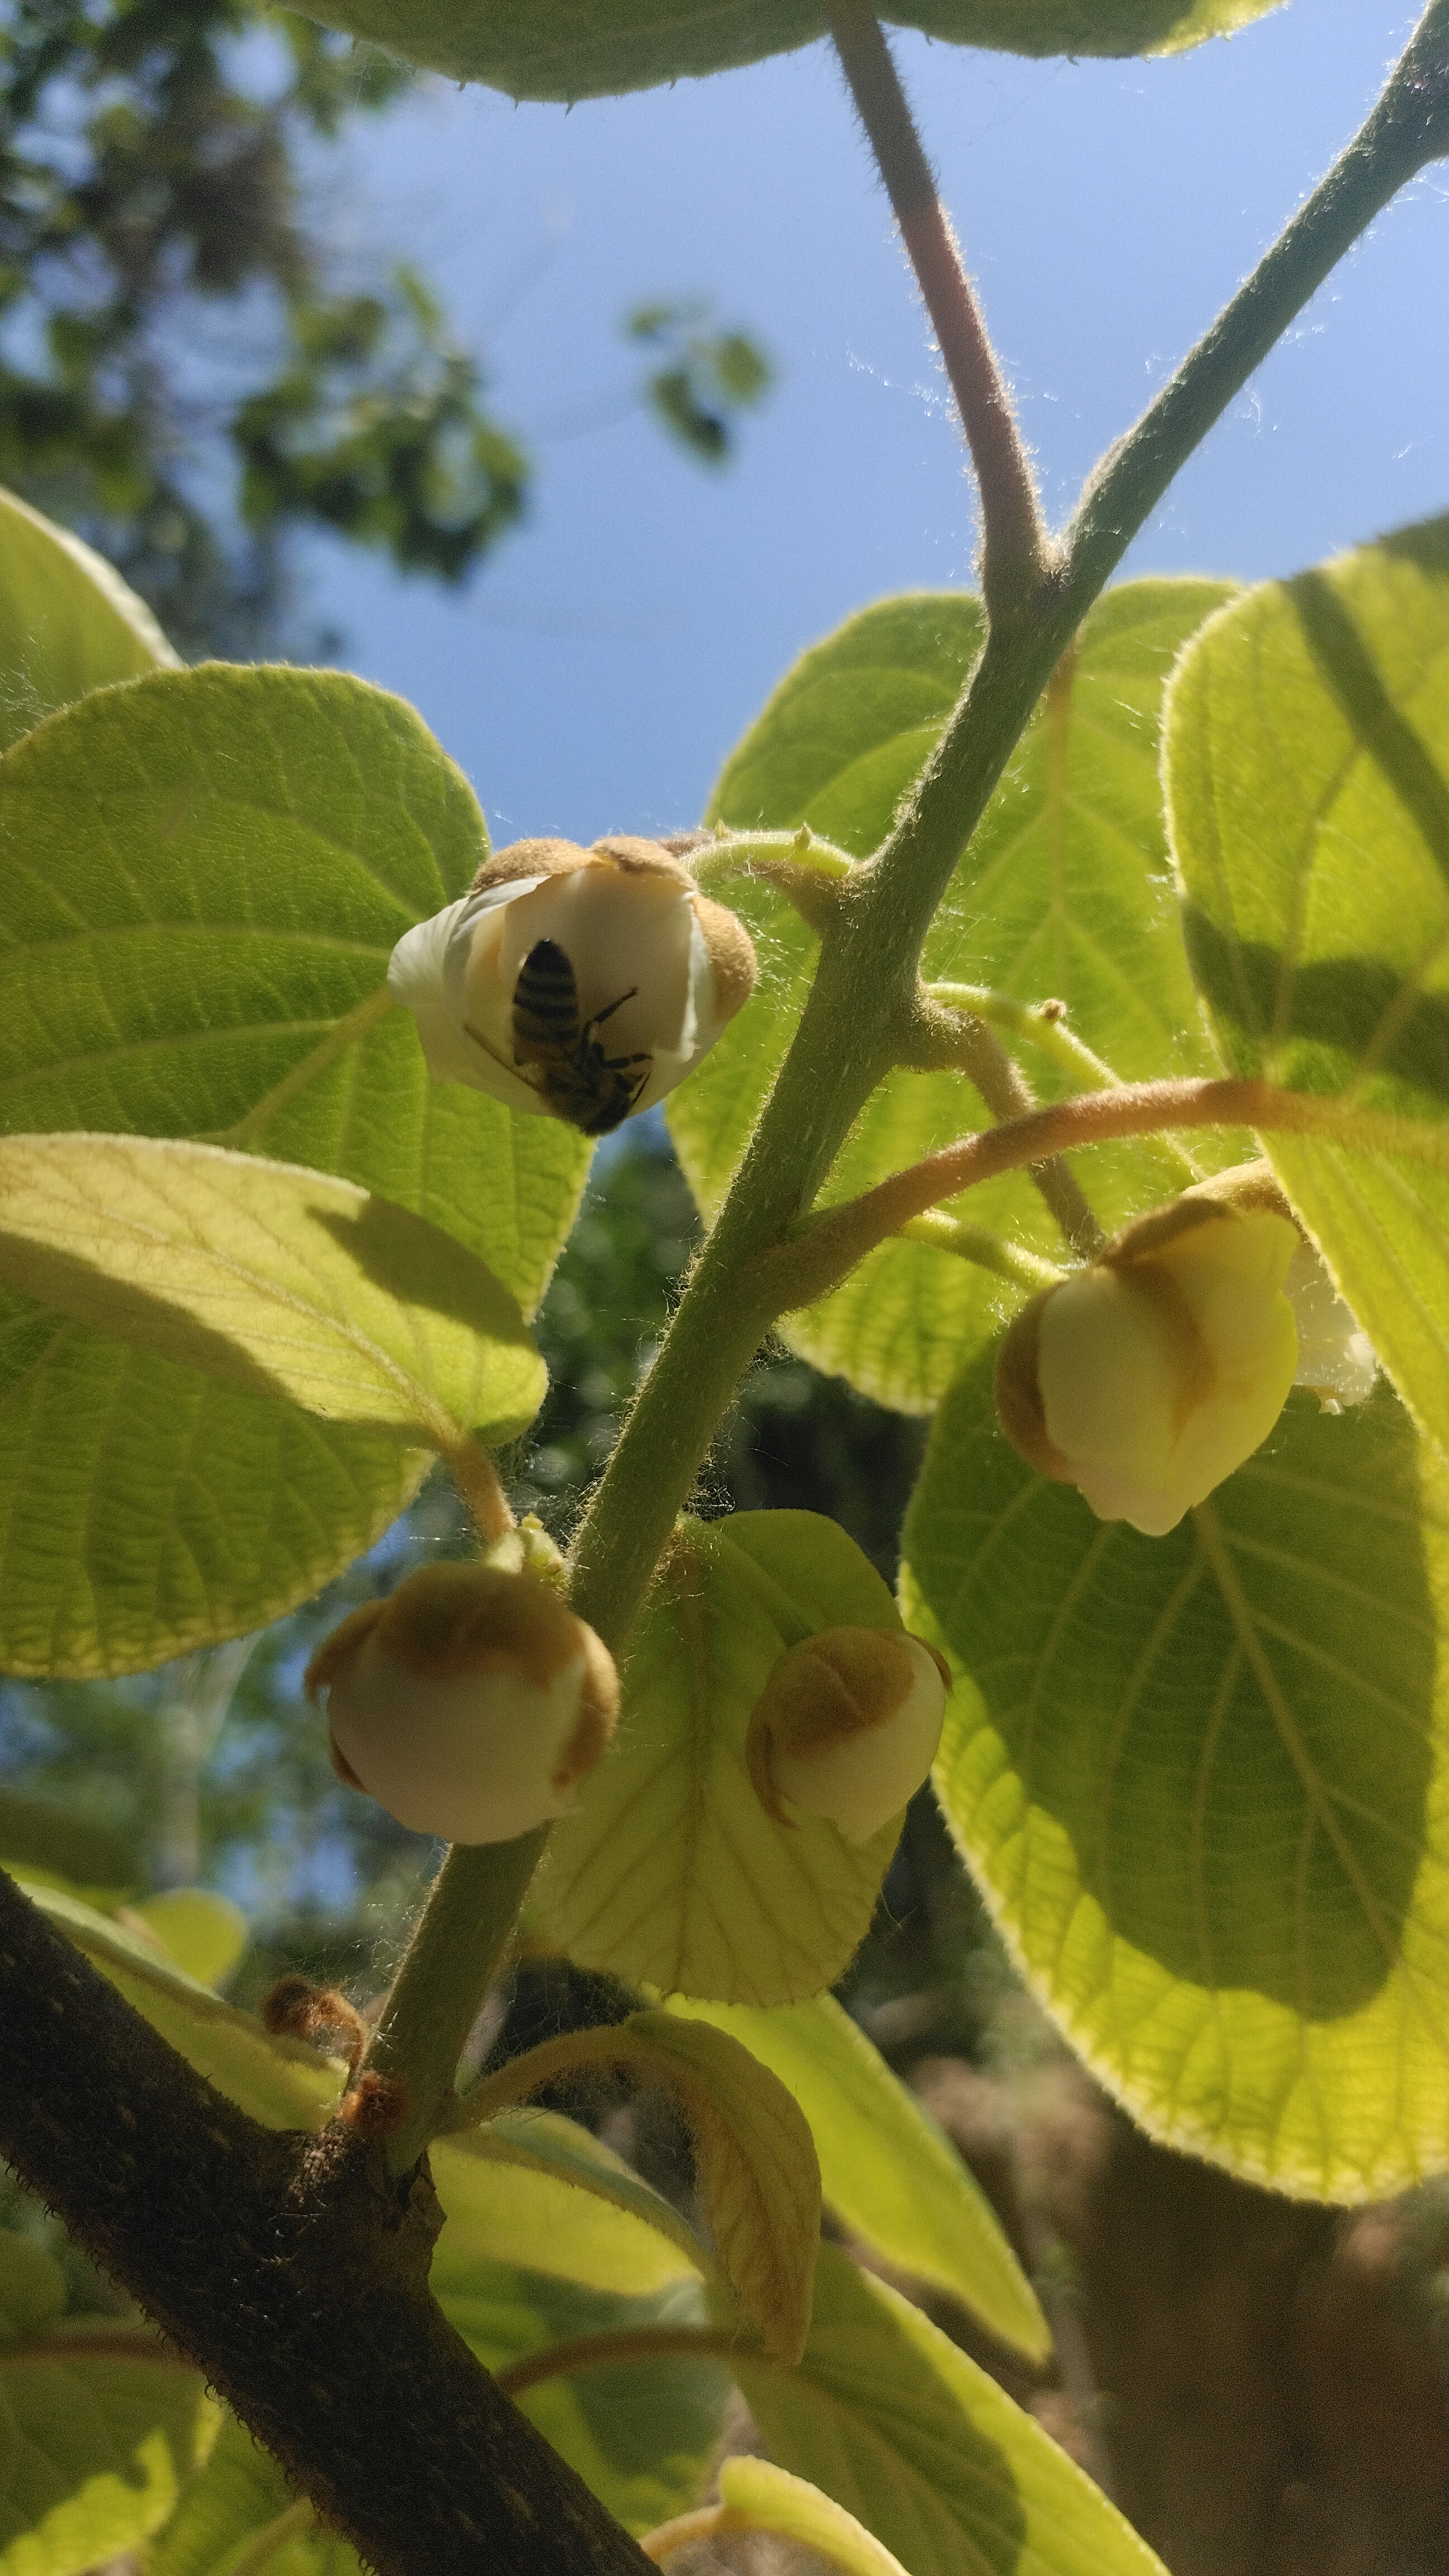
(621, 1063)
(599, 1017)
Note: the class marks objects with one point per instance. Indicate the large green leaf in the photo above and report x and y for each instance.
(1060, 895)
(204, 874)
(1308, 777)
(885, 2167)
(145, 1510)
(891, 2419)
(240, 2502)
(277, 2080)
(95, 2448)
(532, 2178)
(1201, 1779)
(670, 1873)
(640, 2433)
(590, 48)
(283, 1281)
(68, 623)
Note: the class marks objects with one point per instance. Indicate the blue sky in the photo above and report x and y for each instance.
(595, 674)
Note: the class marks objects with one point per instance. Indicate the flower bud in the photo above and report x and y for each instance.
(469, 1704)
(847, 1727)
(1146, 1378)
(583, 984)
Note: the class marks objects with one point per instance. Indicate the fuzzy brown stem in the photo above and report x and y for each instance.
(290, 2269)
(823, 1252)
(1013, 544)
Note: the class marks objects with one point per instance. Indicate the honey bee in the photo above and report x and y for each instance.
(592, 1090)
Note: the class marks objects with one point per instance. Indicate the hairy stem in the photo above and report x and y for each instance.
(755, 1266)
(980, 1055)
(1013, 542)
(825, 1250)
(457, 1948)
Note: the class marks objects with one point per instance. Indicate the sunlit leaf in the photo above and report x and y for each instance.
(755, 2162)
(671, 1873)
(68, 623)
(241, 2500)
(888, 2417)
(204, 874)
(205, 1934)
(532, 2178)
(1308, 774)
(571, 49)
(277, 2080)
(1201, 1779)
(760, 2497)
(95, 2448)
(1062, 895)
(279, 1281)
(885, 2167)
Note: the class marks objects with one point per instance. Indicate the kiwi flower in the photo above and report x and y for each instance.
(579, 984)
(469, 1704)
(847, 1727)
(1146, 1378)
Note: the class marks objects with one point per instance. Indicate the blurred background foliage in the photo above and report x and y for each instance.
(191, 372)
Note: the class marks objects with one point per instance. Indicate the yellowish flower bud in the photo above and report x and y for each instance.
(1148, 1377)
(469, 1704)
(847, 1727)
(583, 984)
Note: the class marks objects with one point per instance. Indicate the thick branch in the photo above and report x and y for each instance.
(292, 2272)
(1013, 543)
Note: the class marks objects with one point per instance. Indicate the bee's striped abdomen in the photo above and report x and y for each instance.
(545, 1003)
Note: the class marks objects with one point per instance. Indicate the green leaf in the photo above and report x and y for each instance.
(280, 1281)
(241, 2498)
(755, 2160)
(145, 1510)
(885, 2166)
(1308, 778)
(641, 2434)
(204, 875)
(94, 2451)
(570, 49)
(760, 2497)
(1059, 896)
(670, 1873)
(38, 1836)
(203, 878)
(68, 623)
(204, 1934)
(1201, 1781)
(277, 2080)
(533, 2178)
(888, 2417)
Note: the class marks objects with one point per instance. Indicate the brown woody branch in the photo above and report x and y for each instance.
(292, 2270)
